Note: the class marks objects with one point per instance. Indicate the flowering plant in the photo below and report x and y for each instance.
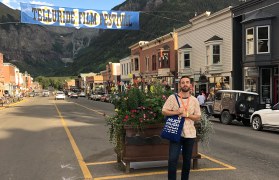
(138, 109)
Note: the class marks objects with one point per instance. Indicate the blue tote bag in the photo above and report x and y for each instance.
(173, 126)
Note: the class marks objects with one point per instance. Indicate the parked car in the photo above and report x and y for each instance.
(265, 118)
(74, 95)
(70, 93)
(81, 94)
(90, 96)
(45, 93)
(232, 104)
(60, 95)
(97, 96)
(105, 98)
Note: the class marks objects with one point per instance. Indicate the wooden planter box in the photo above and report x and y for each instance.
(148, 146)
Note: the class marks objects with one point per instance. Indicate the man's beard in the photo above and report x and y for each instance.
(185, 89)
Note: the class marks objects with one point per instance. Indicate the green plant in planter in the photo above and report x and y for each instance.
(204, 129)
(137, 109)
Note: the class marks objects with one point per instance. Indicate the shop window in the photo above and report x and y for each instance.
(136, 64)
(265, 84)
(249, 41)
(250, 84)
(154, 66)
(165, 60)
(263, 39)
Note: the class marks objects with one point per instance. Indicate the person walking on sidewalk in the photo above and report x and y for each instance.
(190, 109)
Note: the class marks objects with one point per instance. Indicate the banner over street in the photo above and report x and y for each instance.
(78, 18)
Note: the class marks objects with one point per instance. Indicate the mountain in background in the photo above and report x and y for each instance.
(47, 50)
(157, 18)
(39, 50)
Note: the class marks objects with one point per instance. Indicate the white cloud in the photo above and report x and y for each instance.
(6, 2)
(11, 3)
(15, 4)
(41, 3)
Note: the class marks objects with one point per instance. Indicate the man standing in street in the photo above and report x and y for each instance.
(190, 109)
(201, 98)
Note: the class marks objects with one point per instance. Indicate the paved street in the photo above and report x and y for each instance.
(41, 138)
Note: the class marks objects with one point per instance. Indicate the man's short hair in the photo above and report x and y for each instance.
(185, 77)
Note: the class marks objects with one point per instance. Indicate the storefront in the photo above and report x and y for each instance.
(263, 80)
(218, 82)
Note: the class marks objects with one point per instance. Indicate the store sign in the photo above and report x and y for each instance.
(252, 72)
(78, 18)
(164, 72)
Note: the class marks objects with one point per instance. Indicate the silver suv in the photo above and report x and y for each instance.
(232, 104)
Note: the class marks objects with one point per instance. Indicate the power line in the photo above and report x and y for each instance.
(169, 11)
(10, 23)
(163, 17)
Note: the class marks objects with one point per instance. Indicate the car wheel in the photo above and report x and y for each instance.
(226, 117)
(245, 122)
(257, 123)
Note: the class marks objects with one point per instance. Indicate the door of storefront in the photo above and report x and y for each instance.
(203, 87)
(276, 90)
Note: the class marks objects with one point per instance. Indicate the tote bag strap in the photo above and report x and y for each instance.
(177, 100)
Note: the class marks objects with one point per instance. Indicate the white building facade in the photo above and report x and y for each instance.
(205, 51)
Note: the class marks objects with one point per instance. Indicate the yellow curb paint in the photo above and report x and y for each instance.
(12, 104)
(84, 168)
(101, 163)
(17, 102)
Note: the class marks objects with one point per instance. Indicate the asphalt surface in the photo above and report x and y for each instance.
(41, 138)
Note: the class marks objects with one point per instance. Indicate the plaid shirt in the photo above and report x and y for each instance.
(189, 130)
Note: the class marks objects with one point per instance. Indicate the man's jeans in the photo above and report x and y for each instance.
(174, 151)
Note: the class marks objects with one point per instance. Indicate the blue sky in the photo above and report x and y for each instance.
(83, 4)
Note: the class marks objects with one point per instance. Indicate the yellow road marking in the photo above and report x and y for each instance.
(226, 167)
(84, 168)
(218, 162)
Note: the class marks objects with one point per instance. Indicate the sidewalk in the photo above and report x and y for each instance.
(11, 103)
